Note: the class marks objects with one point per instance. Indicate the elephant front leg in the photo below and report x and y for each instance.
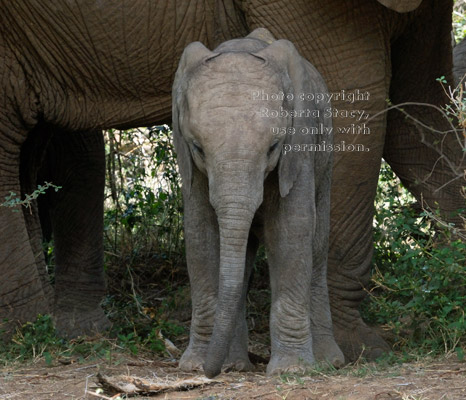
(76, 162)
(23, 293)
(288, 238)
(202, 255)
(203, 258)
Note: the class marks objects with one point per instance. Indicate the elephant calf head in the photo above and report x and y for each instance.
(220, 125)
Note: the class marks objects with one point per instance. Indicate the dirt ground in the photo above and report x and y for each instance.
(443, 379)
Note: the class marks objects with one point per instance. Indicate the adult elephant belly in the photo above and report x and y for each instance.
(368, 54)
(96, 64)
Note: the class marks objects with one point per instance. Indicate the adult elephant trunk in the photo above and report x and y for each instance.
(235, 212)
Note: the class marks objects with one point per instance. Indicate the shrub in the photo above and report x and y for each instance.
(419, 279)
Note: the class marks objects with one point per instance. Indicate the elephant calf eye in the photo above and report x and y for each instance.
(272, 148)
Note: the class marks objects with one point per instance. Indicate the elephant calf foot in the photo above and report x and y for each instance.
(290, 362)
(326, 349)
(357, 339)
(74, 323)
(192, 359)
(238, 363)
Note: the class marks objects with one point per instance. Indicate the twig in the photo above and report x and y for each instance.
(101, 396)
(263, 394)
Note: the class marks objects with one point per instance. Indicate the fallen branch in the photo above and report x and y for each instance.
(135, 385)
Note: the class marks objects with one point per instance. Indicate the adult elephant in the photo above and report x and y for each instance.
(76, 66)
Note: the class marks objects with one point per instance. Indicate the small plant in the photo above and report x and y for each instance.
(140, 328)
(32, 341)
(291, 379)
(13, 200)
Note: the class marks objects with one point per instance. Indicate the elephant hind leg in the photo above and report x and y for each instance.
(354, 185)
(354, 337)
(76, 162)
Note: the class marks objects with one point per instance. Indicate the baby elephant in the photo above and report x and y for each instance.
(251, 172)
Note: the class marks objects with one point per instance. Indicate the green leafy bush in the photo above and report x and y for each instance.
(143, 213)
(419, 276)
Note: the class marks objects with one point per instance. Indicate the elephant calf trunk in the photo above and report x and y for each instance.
(234, 233)
(217, 352)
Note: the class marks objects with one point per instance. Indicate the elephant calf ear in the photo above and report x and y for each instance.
(262, 34)
(193, 56)
(305, 79)
(183, 155)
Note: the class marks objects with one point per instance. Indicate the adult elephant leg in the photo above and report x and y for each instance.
(354, 183)
(32, 156)
(430, 164)
(348, 43)
(76, 162)
(22, 292)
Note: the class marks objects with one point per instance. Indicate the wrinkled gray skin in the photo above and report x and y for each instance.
(76, 66)
(240, 187)
(459, 62)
